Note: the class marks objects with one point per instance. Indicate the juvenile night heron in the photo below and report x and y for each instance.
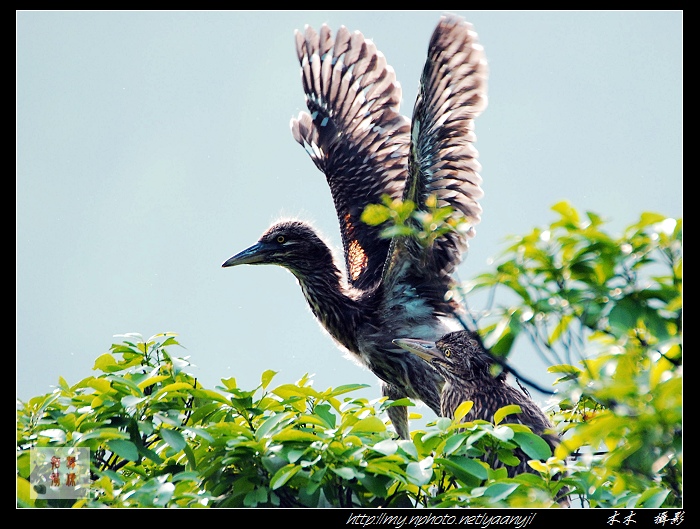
(467, 369)
(398, 287)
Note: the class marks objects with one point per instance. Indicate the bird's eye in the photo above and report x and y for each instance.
(280, 239)
(448, 353)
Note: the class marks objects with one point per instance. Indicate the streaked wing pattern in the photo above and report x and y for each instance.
(355, 136)
(443, 160)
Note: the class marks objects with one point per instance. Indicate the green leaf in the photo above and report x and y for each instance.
(564, 368)
(130, 401)
(453, 443)
(105, 363)
(505, 340)
(656, 324)
(185, 476)
(500, 491)
(63, 384)
(170, 388)
(150, 454)
(324, 412)
(291, 390)
(507, 457)
(533, 445)
(376, 484)
(386, 447)
(199, 432)
(403, 208)
(169, 341)
(346, 388)
(408, 447)
(210, 394)
(462, 410)
(502, 433)
(538, 466)
(56, 434)
(267, 377)
(229, 383)
(23, 493)
(344, 472)
(124, 449)
(203, 412)
(375, 214)
(624, 315)
(443, 423)
(420, 473)
(396, 230)
(100, 384)
(648, 218)
(505, 411)
(191, 458)
(653, 498)
(295, 435)
(567, 211)
(468, 470)
(173, 438)
(560, 328)
(23, 464)
(123, 384)
(283, 475)
(151, 379)
(399, 402)
(102, 433)
(269, 424)
(368, 424)
(255, 496)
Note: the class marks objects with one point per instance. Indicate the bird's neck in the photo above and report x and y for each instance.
(331, 301)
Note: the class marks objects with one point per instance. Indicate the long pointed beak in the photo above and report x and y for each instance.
(254, 254)
(425, 349)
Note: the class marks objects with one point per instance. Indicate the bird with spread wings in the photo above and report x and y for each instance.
(395, 287)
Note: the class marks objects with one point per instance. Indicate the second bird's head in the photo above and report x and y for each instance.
(457, 355)
(291, 243)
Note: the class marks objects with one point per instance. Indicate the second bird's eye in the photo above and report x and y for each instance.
(448, 353)
(280, 239)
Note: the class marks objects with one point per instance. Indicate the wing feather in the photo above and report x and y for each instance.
(443, 160)
(355, 135)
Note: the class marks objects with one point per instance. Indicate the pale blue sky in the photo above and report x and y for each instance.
(151, 146)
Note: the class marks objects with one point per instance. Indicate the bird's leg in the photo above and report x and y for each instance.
(397, 414)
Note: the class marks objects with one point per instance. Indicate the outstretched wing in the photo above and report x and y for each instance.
(355, 136)
(443, 160)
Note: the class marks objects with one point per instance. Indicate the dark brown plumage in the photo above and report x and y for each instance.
(468, 372)
(355, 135)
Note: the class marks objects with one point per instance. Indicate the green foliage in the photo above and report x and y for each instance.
(159, 439)
(572, 278)
(401, 218)
(605, 311)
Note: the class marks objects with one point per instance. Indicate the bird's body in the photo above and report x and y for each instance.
(468, 372)
(398, 287)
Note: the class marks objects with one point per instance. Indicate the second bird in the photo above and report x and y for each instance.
(468, 371)
(399, 287)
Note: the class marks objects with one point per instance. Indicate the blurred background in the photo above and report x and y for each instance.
(153, 145)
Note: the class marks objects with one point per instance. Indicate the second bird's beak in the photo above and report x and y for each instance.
(425, 349)
(253, 255)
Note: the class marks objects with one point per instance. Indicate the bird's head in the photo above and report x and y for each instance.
(291, 243)
(458, 354)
